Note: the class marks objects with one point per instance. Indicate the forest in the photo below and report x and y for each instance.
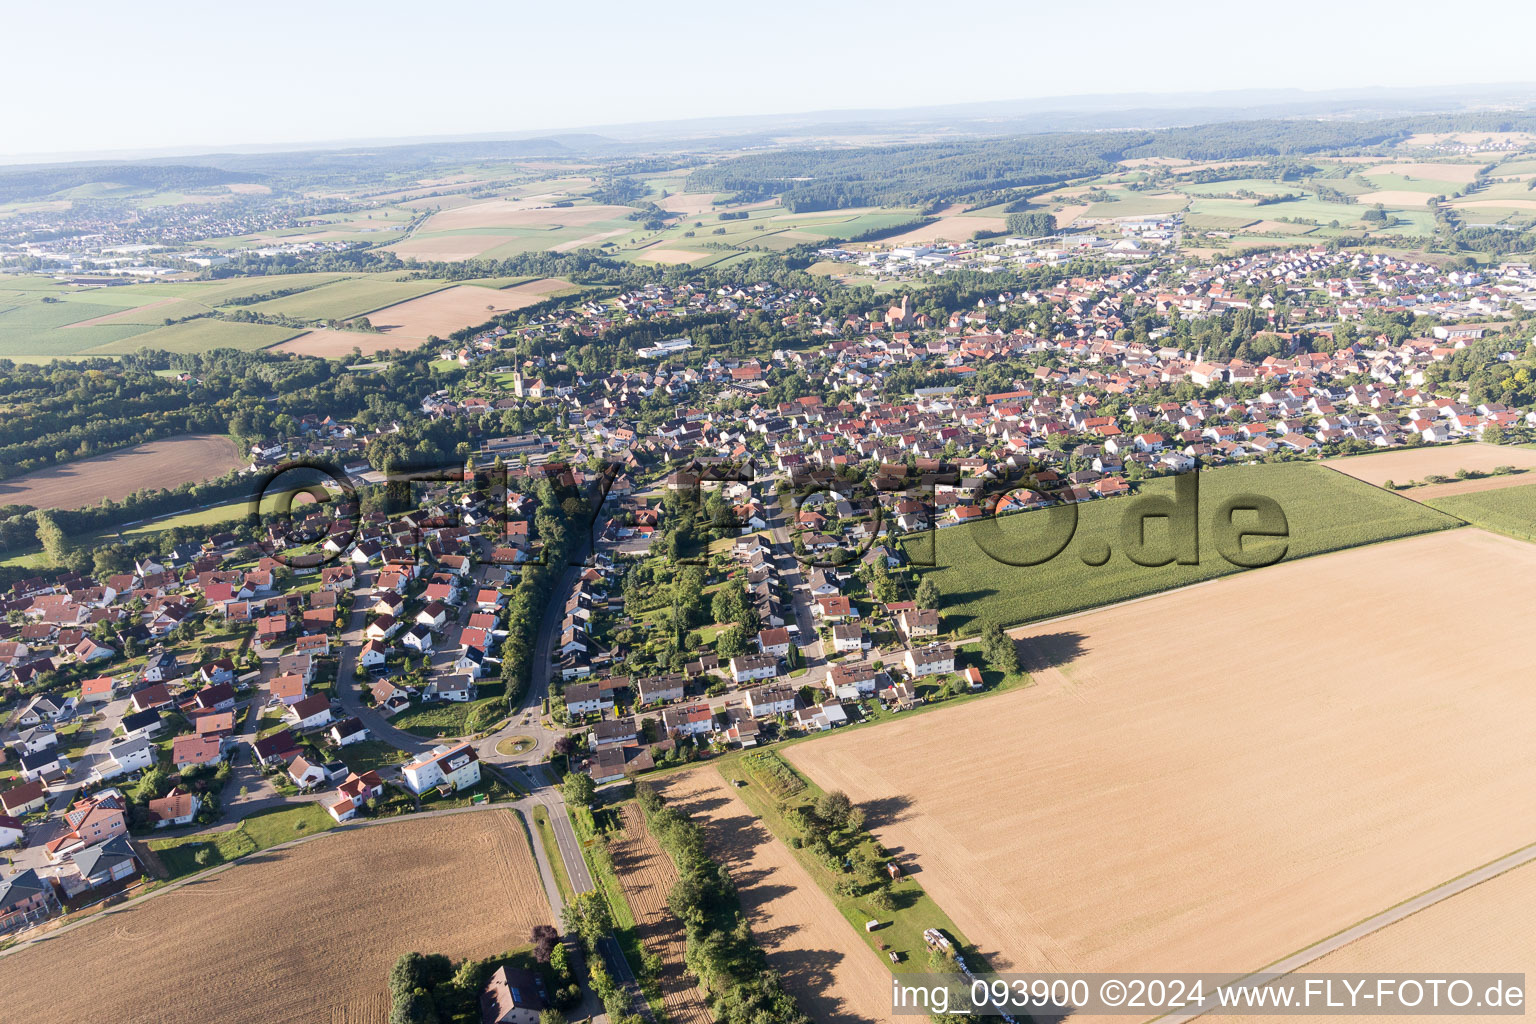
(986, 170)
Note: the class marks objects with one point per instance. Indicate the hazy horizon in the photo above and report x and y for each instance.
(201, 79)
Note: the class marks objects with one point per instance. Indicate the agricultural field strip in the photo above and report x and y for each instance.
(418, 899)
(647, 876)
(1114, 702)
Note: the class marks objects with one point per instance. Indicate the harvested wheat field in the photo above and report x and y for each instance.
(1067, 214)
(450, 248)
(1477, 204)
(169, 462)
(1490, 927)
(952, 226)
(1215, 777)
(1462, 174)
(833, 975)
(295, 936)
(329, 344)
(464, 305)
(503, 213)
(647, 874)
(1408, 464)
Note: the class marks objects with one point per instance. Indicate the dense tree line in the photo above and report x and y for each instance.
(37, 182)
(972, 170)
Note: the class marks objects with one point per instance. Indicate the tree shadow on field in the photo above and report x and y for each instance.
(885, 810)
(1050, 650)
(701, 804)
(811, 975)
(954, 600)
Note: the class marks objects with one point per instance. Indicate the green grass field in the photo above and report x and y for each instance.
(34, 329)
(1507, 510)
(349, 298)
(1325, 511)
(552, 851)
(202, 335)
(448, 719)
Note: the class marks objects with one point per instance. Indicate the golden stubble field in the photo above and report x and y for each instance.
(1407, 464)
(832, 974)
(1216, 777)
(1490, 927)
(295, 936)
(168, 462)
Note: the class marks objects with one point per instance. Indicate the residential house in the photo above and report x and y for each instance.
(918, 622)
(616, 733)
(125, 757)
(191, 751)
(98, 866)
(934, 660)
(453, 767)
(514, 995)
(659, 689)
(750, 667)
(24, 799)
(278, 748)
(348, 731)
(586, 699)
(178, 807)
(305, 774)
(310, 713)
(763, 701)
(25, 899)
(847, 638)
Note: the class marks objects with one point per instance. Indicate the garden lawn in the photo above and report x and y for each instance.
(256, 833)
(441, 721)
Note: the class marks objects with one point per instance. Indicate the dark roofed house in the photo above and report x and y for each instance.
(105, 863)
(26, 899)
(279, 747)
(514, 995)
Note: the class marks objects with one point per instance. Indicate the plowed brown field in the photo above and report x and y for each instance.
(647, 875)
(295, 936)
(169, 462)
(1410, 464)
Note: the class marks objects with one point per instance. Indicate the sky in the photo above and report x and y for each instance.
(97, 76)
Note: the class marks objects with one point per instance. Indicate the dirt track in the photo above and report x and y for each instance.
(1213, 778)
(169, 462)
(1490, 927)
(834, 976)
(298, 936)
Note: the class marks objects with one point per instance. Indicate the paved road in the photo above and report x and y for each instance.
(349, 689)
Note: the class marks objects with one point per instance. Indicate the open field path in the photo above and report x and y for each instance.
(1377, 922)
